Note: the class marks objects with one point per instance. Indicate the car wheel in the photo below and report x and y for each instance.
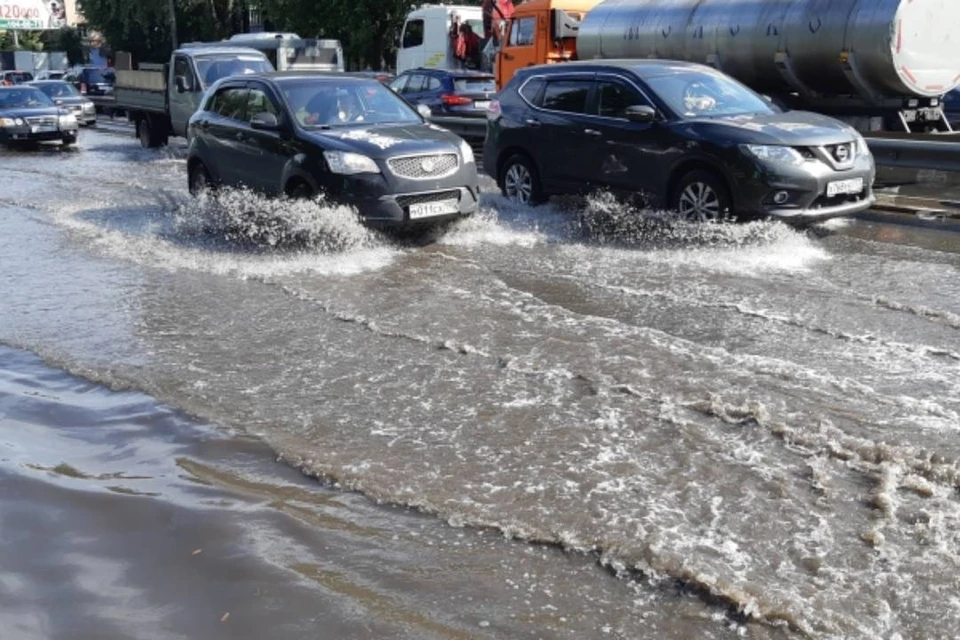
(520, 181)
(148, 136)
(198, 179)
(301, 192)
(69, 141)
(701, 196)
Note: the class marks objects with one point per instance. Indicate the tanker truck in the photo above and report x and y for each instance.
(880, 65)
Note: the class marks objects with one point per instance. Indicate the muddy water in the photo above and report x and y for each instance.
(766, 418)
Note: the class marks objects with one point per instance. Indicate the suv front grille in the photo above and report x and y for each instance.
(424, 167)
(422, 198)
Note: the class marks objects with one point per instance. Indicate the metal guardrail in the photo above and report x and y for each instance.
(913, 153)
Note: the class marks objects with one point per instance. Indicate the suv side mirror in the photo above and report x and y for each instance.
(265, 122)
(181, 83)
(641, 113)
(424, 111)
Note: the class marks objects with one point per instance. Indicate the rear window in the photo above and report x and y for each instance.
(469, 85)
(94, 75)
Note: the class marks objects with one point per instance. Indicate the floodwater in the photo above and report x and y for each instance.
(576, 421)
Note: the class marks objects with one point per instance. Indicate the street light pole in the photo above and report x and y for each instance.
(173, 23)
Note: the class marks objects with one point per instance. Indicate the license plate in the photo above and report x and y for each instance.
(481, 104)
(41, 129)
(428, 209)
(854, 185)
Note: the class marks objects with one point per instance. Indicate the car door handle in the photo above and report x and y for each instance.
(507, 56)
(532, 122)
(592, 132)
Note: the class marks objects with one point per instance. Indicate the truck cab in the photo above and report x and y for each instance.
(425, 39)
(540, 32)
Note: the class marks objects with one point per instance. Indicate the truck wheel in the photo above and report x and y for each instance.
(147, 135)
(520, 181)
(700, 196)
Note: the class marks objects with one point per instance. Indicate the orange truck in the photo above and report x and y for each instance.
(540, 32)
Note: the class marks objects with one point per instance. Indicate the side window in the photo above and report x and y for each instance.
(522, 32)
(230, 103)
(412, 34)
(398, 84)
(415, 85)
(613, 98)
(259, 102)
(531, 91)
(181, 69)
(433, 84)
(567, 95)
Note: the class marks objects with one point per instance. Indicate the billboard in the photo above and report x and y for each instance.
(32, 15)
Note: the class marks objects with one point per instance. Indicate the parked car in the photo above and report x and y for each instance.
(66, 95)
(10, 78)
(350, 139)
(451, 94)
(92, 81)
(951, 108)
(28, 116)
(692, 138)
(50, 74)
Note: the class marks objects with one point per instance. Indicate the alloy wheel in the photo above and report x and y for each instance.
(699, 203)
(518, 184)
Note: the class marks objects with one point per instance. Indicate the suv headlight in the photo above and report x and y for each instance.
(466, 152)
(68, 120)
(349, 163)
(774, 153)
(11, 122)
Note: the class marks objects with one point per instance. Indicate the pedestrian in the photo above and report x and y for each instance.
(471, 47)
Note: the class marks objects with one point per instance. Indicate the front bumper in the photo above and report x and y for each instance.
(26, 134)
(384, 200)
(806, 187)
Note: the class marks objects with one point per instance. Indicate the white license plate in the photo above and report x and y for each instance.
(40, 129)
(854, 185)
(429, 209)
(481, 104)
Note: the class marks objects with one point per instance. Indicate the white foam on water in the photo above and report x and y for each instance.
(240, 234)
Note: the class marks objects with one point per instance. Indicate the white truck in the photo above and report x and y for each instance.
(160, 98)
(425, 39)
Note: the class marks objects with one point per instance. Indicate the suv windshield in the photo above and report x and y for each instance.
(58, 89)
(18, 77)
(694, 94)
(23, 98)
(326, 104)
(212, 68)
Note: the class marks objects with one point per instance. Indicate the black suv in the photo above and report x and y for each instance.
(693, 139)
(350, 139)
(92, 81)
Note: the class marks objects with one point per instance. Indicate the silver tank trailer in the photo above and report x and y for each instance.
(873, 50)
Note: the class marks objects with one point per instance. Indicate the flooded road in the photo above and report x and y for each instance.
(730, 430)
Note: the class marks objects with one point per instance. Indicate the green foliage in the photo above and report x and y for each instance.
(367, 28)
(67, 40)
(29, 41)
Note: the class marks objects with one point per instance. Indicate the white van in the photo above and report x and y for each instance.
(425, 39)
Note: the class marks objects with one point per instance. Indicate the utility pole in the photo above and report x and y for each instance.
(16, 40)
(173, 24)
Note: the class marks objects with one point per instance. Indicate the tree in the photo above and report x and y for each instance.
(29, 40)
(67, 40)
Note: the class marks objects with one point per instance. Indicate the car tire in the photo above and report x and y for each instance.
(69, 141)
(701, 196)
(520, 181)
(301, 192)
(198, 179)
